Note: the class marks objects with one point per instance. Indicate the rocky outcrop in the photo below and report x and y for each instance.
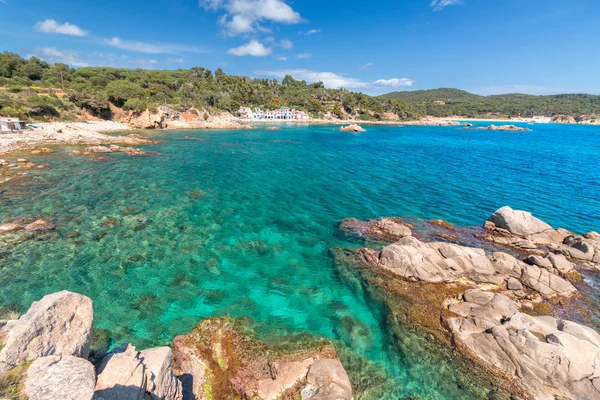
(222, 347)
(437, 262)
(39, 225)
(521, 230)
(506, 128)
(54, 377)
(121, 375)
(59, 324)
(552, 358)
(353, 128)
(162, 384)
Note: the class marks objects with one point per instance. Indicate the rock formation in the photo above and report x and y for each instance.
(521, 230)
(59, 324)
(221, 347)
(54, 377)
(553, 358)
(352, 128)
(437, 262)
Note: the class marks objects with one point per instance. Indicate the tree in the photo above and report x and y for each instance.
(121, 90)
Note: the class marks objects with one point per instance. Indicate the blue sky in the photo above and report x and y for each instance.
(484, 46)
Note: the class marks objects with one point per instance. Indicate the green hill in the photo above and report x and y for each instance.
(460, 102)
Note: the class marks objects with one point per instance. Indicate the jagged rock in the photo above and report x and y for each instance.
(121, 376)
(59, 324)
(352, 128)
(162, 384)
(56, 378)
(39, 225)
(327, 380)
(552, 358)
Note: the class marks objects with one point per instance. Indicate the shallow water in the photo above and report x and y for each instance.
(241, 223)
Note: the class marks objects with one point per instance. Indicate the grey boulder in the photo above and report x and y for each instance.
(56, 378)
(59, 324)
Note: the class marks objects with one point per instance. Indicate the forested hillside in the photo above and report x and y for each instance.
(26, 82)
(459, 102)
(33, 89)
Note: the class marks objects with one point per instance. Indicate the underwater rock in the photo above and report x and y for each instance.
(552, 358)
(53, 378)
(221, 358)
(59, 324)
(39, 225)
(9, 227)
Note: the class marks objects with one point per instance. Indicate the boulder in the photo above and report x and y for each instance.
(552, 358)
(521, 223)
(9, 227)
(59, 324)
(390, 228)
(327, 380)
(121, 376)
(162, 384)
(287, 375)
(98, 149)
(60, 378)
(352, 128)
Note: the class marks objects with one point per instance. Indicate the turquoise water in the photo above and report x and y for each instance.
(241, 223)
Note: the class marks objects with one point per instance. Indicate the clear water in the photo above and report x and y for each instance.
(255, 241)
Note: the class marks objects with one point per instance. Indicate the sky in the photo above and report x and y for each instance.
(483, 46)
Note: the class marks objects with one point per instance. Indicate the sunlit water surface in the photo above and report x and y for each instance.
(241, 223)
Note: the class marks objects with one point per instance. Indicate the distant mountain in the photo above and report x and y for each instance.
(446, 102)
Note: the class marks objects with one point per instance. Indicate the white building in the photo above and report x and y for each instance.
(8, 124)
(283, 113)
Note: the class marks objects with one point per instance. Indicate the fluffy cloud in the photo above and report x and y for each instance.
(304, 56)
(141, 47)
(438, 5)
(51, 26)
(253, 48)
(394, 82)
(333, 81)
(54, 55)
(286, 44)
(245, 16)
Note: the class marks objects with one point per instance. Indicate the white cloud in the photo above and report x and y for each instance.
(179, 60)
(304, 56)
(333, 80)
(394, 82)
(54, 55)
(245, 16)
(310, 32)
(253, 48)
(367, 65)
(149, 48)
(286, 44)
(439, 5)
(51, 26)
(281, 58)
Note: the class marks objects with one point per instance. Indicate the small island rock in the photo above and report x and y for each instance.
(352, 128)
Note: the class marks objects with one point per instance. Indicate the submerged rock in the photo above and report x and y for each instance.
(53, 378)
(59, 324)
(552, 358)
(39, 225)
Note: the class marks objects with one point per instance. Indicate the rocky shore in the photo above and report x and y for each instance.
(498, 296)
(48, 354)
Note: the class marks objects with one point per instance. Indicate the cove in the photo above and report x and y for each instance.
(241, 223)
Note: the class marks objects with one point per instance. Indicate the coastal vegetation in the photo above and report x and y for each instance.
(34, 89)
(449, 102)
